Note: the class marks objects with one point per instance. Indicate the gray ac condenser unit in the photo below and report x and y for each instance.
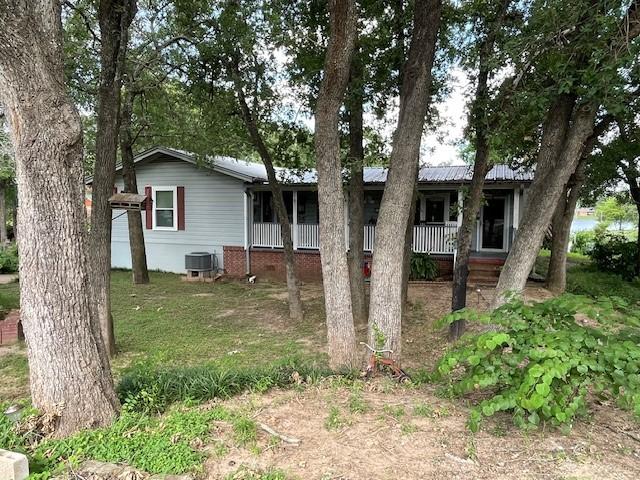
(199, 261)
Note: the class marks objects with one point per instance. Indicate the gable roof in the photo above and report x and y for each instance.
(253, 172)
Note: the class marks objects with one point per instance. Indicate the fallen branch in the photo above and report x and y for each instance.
(284, 438)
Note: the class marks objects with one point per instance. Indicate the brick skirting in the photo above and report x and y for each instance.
(269, 263)
(10, 329)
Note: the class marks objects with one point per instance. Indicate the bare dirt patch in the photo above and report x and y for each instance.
(400, 433)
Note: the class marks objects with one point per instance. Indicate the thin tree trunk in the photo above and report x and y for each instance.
(562, 145)
(69, 370)
(341, 338)
(3, 214)
(385, 311)
(114, 17)
(356, 195)
(293, 289)
(561, 229)
(481, 167)
(139, 268)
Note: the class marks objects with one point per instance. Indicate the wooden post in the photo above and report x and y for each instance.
(295, 220)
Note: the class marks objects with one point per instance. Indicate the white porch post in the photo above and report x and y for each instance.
(245, 199)
(516, 212)
(460, 206)
(295, 220)
(459, 223)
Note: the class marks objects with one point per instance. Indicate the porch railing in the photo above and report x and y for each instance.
(439, 239)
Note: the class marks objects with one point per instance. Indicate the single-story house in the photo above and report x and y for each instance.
(224, 206)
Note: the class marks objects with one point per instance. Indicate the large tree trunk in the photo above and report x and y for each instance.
(356, 195)
(481, 167)
(385, 304)
(633, 180)
(561, 229)
(136, 233)
(3, 214)
(341, 339)
(564, 135)
(68, 367)
(114, 17)
(293, 289)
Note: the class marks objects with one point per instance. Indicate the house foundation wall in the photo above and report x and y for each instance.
(269, 263)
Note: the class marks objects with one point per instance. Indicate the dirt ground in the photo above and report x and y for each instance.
(404, 433)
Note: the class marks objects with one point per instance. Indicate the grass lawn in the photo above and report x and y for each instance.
(348, 428)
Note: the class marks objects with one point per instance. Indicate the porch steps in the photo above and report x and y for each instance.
(485, 271)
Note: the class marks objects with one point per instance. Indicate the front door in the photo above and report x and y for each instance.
(493, 223)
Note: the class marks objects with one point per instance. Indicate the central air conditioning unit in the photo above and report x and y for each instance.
(199, 262)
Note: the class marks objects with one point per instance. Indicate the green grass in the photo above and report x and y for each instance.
(231, 324)
(9, 297)
(584, 279)
(227, 326)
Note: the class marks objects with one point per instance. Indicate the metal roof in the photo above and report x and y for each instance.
(256, 173)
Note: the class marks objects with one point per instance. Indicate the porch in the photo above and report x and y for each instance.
(438, 215)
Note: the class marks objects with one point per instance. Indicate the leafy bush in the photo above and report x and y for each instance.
(583, 242)
(614, 253)
(150, 388)
(153, 444)
(587, 280)
(423, 267)
(9, 259)
(542, 364)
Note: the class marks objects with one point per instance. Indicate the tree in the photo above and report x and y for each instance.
(7, 179)
(55, 297)
(386, 302)
(616, 210)
(556, 280)
(479, 123)
(335, 272)
(114, 18)
(574, 103)
(232, 54)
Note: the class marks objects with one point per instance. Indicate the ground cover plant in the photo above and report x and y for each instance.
(542, 363)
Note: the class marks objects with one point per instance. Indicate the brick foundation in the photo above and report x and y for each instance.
(269, 263)
(10, 331)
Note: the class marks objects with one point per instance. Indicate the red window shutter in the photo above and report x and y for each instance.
(180, 195)
(147, 192)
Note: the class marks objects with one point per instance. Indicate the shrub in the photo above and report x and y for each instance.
(9, 259)
(151, 388)
(583, 242)
(542, 364)
(423, 267)
(614, 253)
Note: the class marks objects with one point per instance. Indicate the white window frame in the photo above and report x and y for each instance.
(173, 189)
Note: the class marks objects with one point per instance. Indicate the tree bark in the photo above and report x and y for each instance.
(481, 167)
(564, 135)
(3, 215)
(139, 268)
(633, 180)
(385, 310)
(114, 17)
(356, 195)
(341, 339)
(296, 312)
(68, 367)
(561, 229)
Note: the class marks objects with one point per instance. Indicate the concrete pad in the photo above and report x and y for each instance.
(13, 465)
(8, 278)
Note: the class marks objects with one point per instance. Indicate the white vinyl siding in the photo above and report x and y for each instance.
(213, 216)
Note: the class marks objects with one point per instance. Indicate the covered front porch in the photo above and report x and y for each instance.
(438, 215)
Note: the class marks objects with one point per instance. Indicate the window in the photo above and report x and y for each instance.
(164, 208)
